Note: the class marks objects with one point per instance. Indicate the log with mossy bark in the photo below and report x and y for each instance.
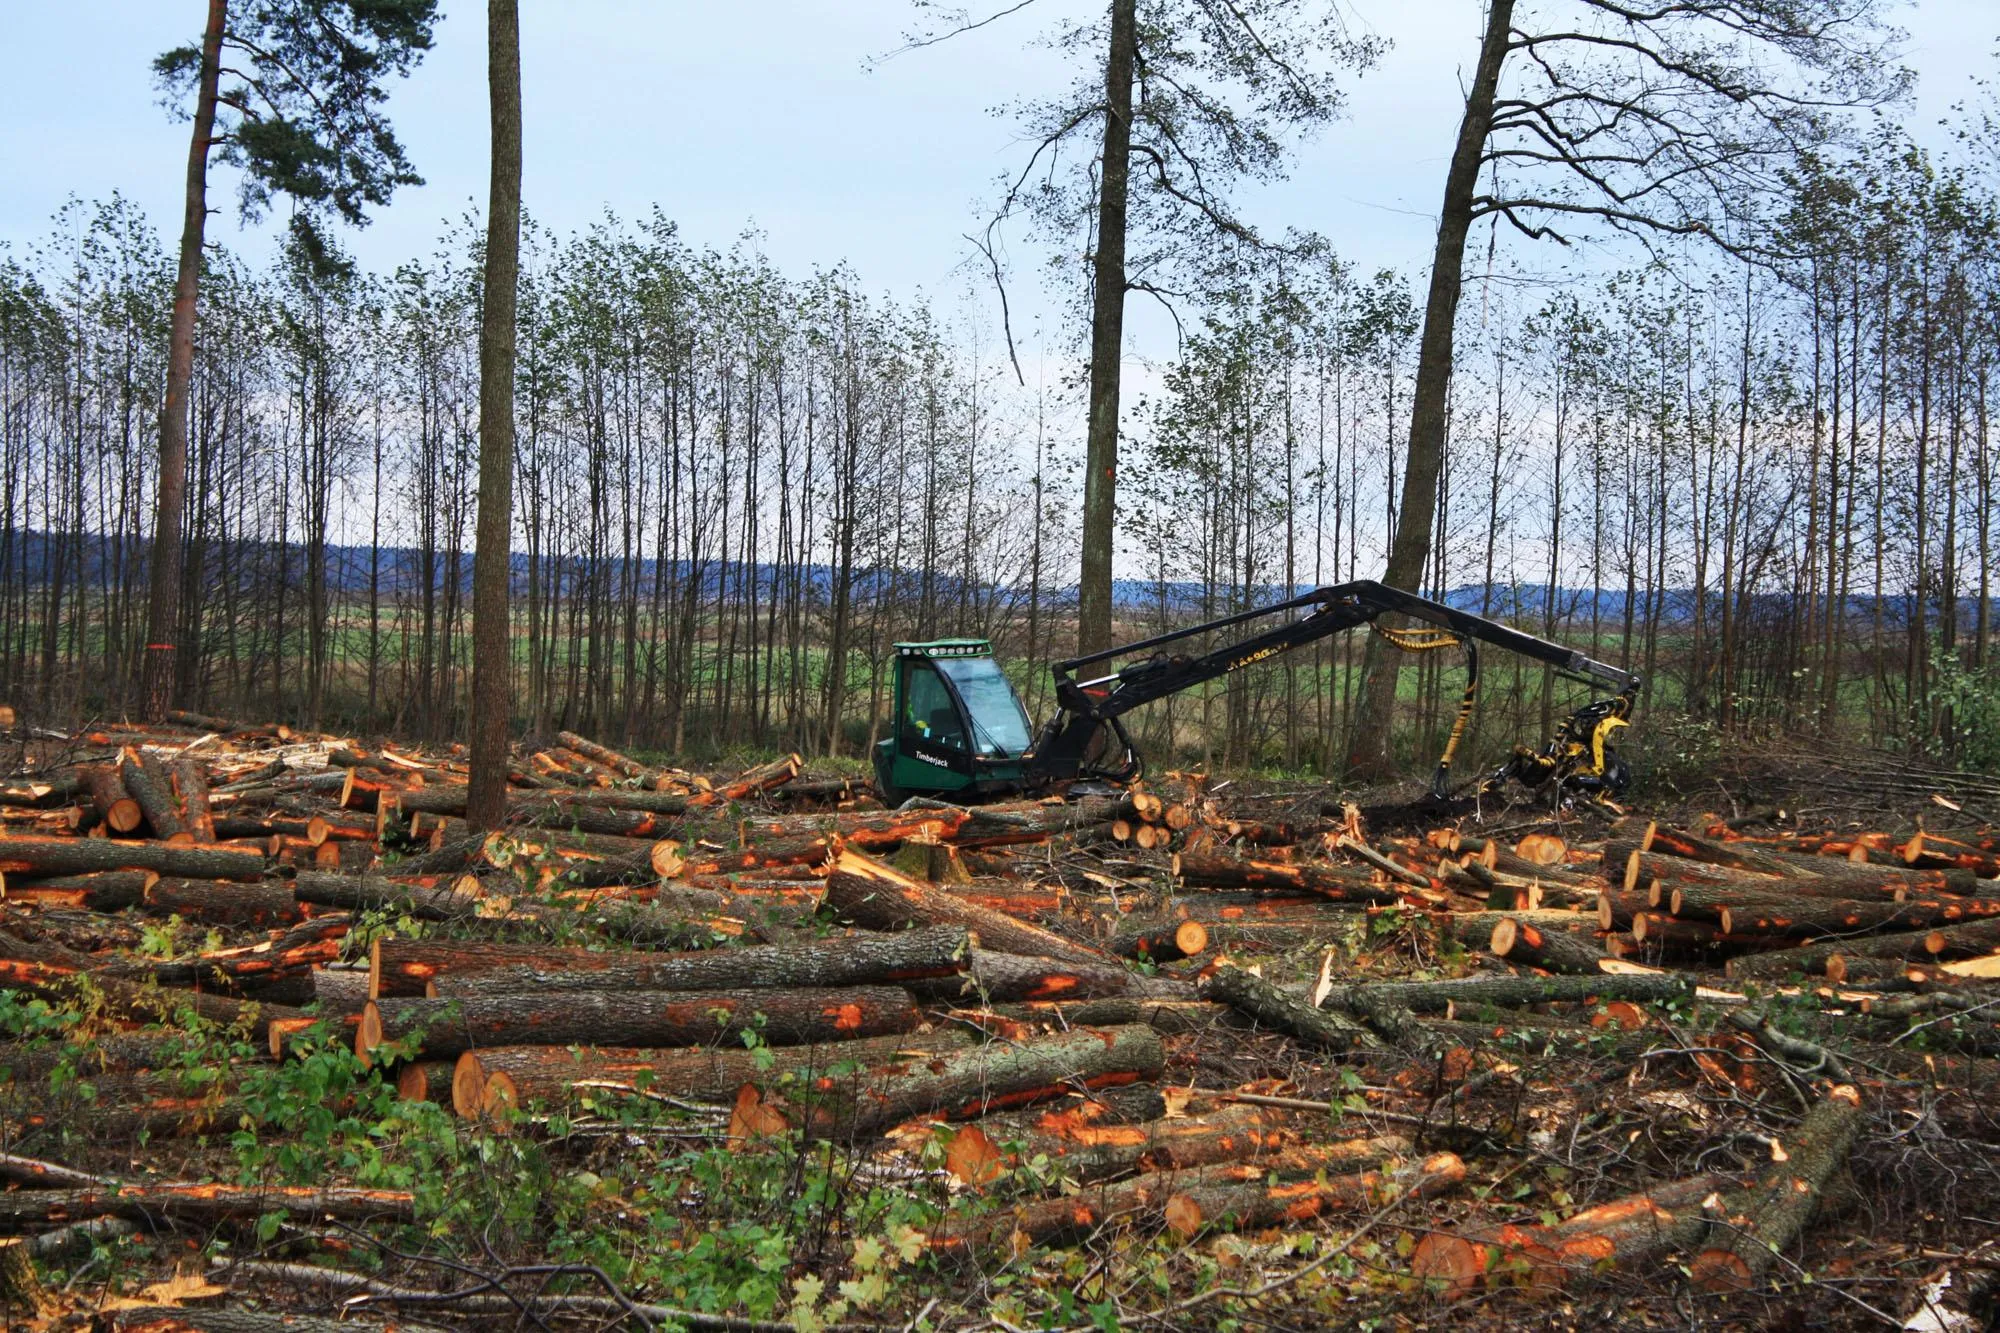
(96, 891)
(998, 977)
(1521, 941)
(1233, 1196)
(207, 1204)
(1282, 1011)
(495, 1078)
(40, 857)
(1624, 1234)
(1757, 1225)
(400, 967)
(868, 893)
(996, 1075)
(1507, 992)
(443, 1028)
(1335, 883)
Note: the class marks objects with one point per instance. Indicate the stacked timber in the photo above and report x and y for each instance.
(1054, 982)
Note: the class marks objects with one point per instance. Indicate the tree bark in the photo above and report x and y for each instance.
(1761, 1223)
(870, 894)
(1285, 1012)
(492, 631)
(224, 902)
(518, 1076)
(1614, 1235)
(636, 1018)
(406, 967)
(200, 1203)
(78, 856)
(1107, 336)
(163, 611)
(1564, 951)
(1432, 997)
(1369, 753)
(1334, 883)
(998, 1075)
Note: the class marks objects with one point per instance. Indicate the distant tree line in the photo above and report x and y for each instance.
(737, 488)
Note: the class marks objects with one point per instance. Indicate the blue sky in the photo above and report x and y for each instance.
(731, 115)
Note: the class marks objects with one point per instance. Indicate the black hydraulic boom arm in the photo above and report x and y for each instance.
(1086, 706)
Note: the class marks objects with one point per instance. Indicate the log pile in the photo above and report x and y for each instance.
(1082, 982)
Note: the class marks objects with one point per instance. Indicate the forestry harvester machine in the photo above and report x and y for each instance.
(960, 732)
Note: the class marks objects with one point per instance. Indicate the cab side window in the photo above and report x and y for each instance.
(928, 711)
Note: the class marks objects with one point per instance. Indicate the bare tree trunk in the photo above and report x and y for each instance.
(486, 802)
(1107, 336)
(163, 611)
(1368, 752)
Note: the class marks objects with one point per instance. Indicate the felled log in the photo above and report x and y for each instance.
(457, 967)
(1621, 1234)
(449, 1027)
(606, 756)
(1731, 855)
(1087, 1145)
(1235, 1196)
(1162, 1015)
(1007, 977)
(224, 902)
(505, 1077)
(98, 891)
(204, 1203)
(1966, 940)
(191, 789)
(863, 829)
(43, 966)
(33, 857)
(967, 1083)
(759, 779)
(126, 1105)
(1437, 996)
(449, 799)
(1159, 941)
(1336, 883)
(1281, 1011)
(116, 809)
(146, 778)
(870, 894)
(1841, 916)
(427, 898)
(1759, 1224)
(798, 851)
(1521, 941)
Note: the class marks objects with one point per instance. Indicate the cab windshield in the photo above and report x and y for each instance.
(999, 726)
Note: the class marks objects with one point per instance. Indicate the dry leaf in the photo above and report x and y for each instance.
(751, 1119)
(974, 1157)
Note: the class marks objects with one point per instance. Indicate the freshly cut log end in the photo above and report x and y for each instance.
(1543, 849)
(468, 1086)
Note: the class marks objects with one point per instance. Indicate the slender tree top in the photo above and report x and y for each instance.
(300, 106)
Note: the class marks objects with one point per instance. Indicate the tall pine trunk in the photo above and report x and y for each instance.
(164, 609)
(492, 636)
(1107, 336)
(1369, 752)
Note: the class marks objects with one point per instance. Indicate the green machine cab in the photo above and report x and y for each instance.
(960, 732)
(959, 728)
